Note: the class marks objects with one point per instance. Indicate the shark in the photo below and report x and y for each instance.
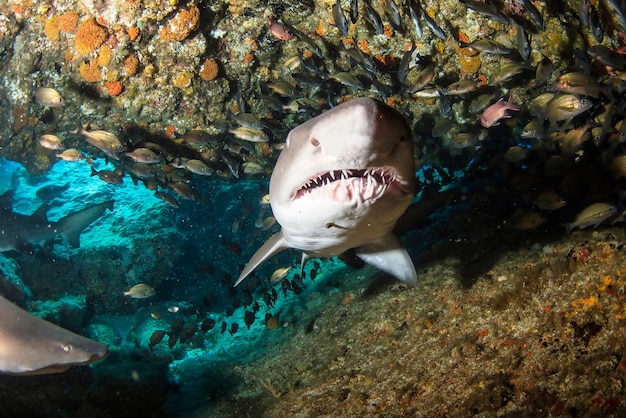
(30, 345)
(339, 186)
(21, 232)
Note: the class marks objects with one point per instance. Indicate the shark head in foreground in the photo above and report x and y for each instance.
(30, 345)
(341, 183)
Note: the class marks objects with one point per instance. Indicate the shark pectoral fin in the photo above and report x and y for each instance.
(389, 255)
(272, 246)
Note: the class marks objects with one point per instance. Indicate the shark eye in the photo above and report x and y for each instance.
(315, 142)
(67, 348)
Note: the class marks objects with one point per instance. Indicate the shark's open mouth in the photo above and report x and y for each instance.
(346, 184)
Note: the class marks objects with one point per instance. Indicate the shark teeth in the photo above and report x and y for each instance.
(375, 181)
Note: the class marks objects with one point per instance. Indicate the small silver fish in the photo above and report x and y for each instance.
(478, 104)
(441, 127)
(534, 14)
(291, 65)
(544, 71)
(461, 87)
(248, 120)
(539, 105)
(521, 42)
(71, 155)
(341, 22)
(534, 129)
(279, 274)
(347, 79)
(141, 170)
(374, 18)
(430, 22)
(393, 11)
(168, 198)
(107, 142)
(574, 139)
(250, 167)
(47, 96)
(267, 223)
(354, 10)
(198, 167)
(50, 141)
(423, 78)
(143, 155)
(249, 134)
(592, 215)
(463, 140)
(140, 291)
(516, 154)
(487, 46)
(607, 57)
(487, 10)
(283, 88)
(415, 11)
(109, 176)
(549, 201)
(508, 71)
(579, 83)
(196, 136)
(183, 190)
(566, 106)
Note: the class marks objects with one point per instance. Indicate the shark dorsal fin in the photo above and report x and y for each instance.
(272, 246)
(41, 214)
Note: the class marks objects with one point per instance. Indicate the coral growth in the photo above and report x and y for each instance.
(131, 65)
(51, 29)
(181, 25)
(113, 88)
(133, 33)
(209, 69)
(182, 80)
(67, 22)
(105, 54)
(469, 65)
(89, 36)
(90, 71)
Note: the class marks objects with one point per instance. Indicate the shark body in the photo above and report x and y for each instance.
(30, 345)
(341, 183)
(21, 232)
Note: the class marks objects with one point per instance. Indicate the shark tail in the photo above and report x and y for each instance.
(272, 246)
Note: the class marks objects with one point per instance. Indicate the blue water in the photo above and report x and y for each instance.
(176, 251)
